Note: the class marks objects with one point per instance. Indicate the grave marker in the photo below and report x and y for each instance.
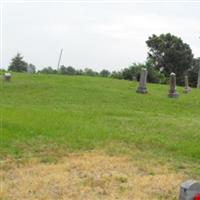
(143, 80)
(190, 190)
(172, 83)
(187, 87)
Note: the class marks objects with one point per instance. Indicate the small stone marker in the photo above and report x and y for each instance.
(189, 190)
(172, 82)
(7, 76)
(30, 70)
(187, 88)
(143, 80)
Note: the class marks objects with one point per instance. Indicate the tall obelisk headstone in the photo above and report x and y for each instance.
(143, 81)
(172, 83)
(198, 81)
(187, 87)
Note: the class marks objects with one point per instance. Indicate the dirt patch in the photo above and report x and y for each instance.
(90, 176)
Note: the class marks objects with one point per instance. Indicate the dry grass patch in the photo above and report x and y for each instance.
(90, 176)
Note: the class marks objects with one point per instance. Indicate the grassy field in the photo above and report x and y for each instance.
(52, 115)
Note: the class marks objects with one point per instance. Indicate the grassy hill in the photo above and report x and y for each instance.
(51, 115)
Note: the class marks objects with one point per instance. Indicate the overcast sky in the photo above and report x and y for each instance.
(98, 35)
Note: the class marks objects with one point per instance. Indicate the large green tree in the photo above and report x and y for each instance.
(18, 64)
(170, 54)
(104, 73)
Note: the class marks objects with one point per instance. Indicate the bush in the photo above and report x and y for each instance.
(154, 75)
(116, 74)
(104, 73)
(48, 70)
(67, 70)
(133, 73)
(90, 72)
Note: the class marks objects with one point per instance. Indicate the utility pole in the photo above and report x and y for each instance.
(58, 67)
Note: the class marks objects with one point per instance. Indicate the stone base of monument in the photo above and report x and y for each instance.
(173, 94)
(142, 90)
(190, 190)
(187, 90)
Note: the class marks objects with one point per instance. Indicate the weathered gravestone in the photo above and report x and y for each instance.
(30, 70)
(7, 76)
(143, 81)
(172, 83)
(187, 87)
(190, 190)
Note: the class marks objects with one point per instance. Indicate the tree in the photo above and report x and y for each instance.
(154, 75)
(117, 75)
(127, 74)
(170, 54)
(104, 73)
(193, 72)
(67, 70)
(133, 72)
(79, 72)
(90, 72)
(18, 64)
(48, 70)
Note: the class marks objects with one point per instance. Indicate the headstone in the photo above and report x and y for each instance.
(143, 80)
(30, 70)
(198, 81)
(7, 76)
(189, 190)
(172, 82)
(187, 87)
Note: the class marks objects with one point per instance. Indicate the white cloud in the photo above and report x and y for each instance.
(95, 35)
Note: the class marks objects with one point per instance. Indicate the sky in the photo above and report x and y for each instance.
(96, 34)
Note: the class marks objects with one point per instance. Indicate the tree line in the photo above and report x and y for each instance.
(166, 53)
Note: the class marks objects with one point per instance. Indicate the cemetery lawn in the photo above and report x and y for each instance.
(49, 116)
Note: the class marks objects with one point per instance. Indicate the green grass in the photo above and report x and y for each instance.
(53, 114)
